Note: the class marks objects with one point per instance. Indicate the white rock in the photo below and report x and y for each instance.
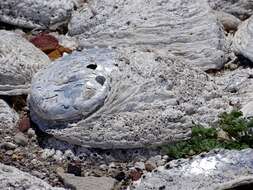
(187, 29)
(8, 117)
(223, 170)
(12, 178)
(130, 98)
(19, 61)
(47, 153)
(243, 39)
(36, 13)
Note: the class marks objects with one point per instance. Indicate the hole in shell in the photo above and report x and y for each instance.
(92, 66)
(100, 80)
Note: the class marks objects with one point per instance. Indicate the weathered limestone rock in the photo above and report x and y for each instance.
(222, 170)
(239, 8)
(19, 60)
(123, 98)
(8, 117)
(13, 179)
(185, 28)
(243, 40)
(238, 85)
(36, 13)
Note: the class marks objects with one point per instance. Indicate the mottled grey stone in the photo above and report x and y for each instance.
(8, 117)
(185, 28)
(19, 60)
(13, 179)
(36, 13)
(213, 171)
(87, 183)
(243, 39)
(239, 8)
(132, 99)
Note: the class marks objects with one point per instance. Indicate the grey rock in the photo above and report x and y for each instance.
(8, 145)
(243, 39)
(36, 13)
(187, 29)
(8, 117)
(139, 165)
(142, 100)
(239, 8)
(20, 139)
(13, 179)
(87, 183)
(229, 22)
(19, 60)
(213, 171)
(58, 156)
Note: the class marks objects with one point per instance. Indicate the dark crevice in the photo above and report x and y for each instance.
(92, 66)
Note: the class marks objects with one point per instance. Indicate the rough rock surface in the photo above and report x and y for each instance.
(148, 98)
(8, 117)
(221, 170)
(19, 60)
(186, 28)
(229, 22)
(36, 13)
(239, 8)
(243, 40)
(13, 179)
(87, 183)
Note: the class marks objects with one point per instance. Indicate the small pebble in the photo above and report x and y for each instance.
(140, 165)
(9, 152)
(30, 133)
(103, 167)
(20, 139)
(8, 146)
(47, 153)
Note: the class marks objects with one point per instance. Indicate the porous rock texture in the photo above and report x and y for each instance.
(8, 117)
(239, 8)
(186, 28)
(243, 39)
(19, 60)
(213, 171)
(131, 99)
(13, 179)
(238, 85)
(36, 13)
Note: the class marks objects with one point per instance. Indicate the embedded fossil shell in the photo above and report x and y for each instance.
(132, 99)
(224, 169)
(36, 13)
(19, 60)
(186, 28)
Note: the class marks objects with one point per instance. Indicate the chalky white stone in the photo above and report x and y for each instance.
(13, 179)
(123, 98)
(19, 61)
(185, 28)
(243, 39)
(36, 13)
(223, 170)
